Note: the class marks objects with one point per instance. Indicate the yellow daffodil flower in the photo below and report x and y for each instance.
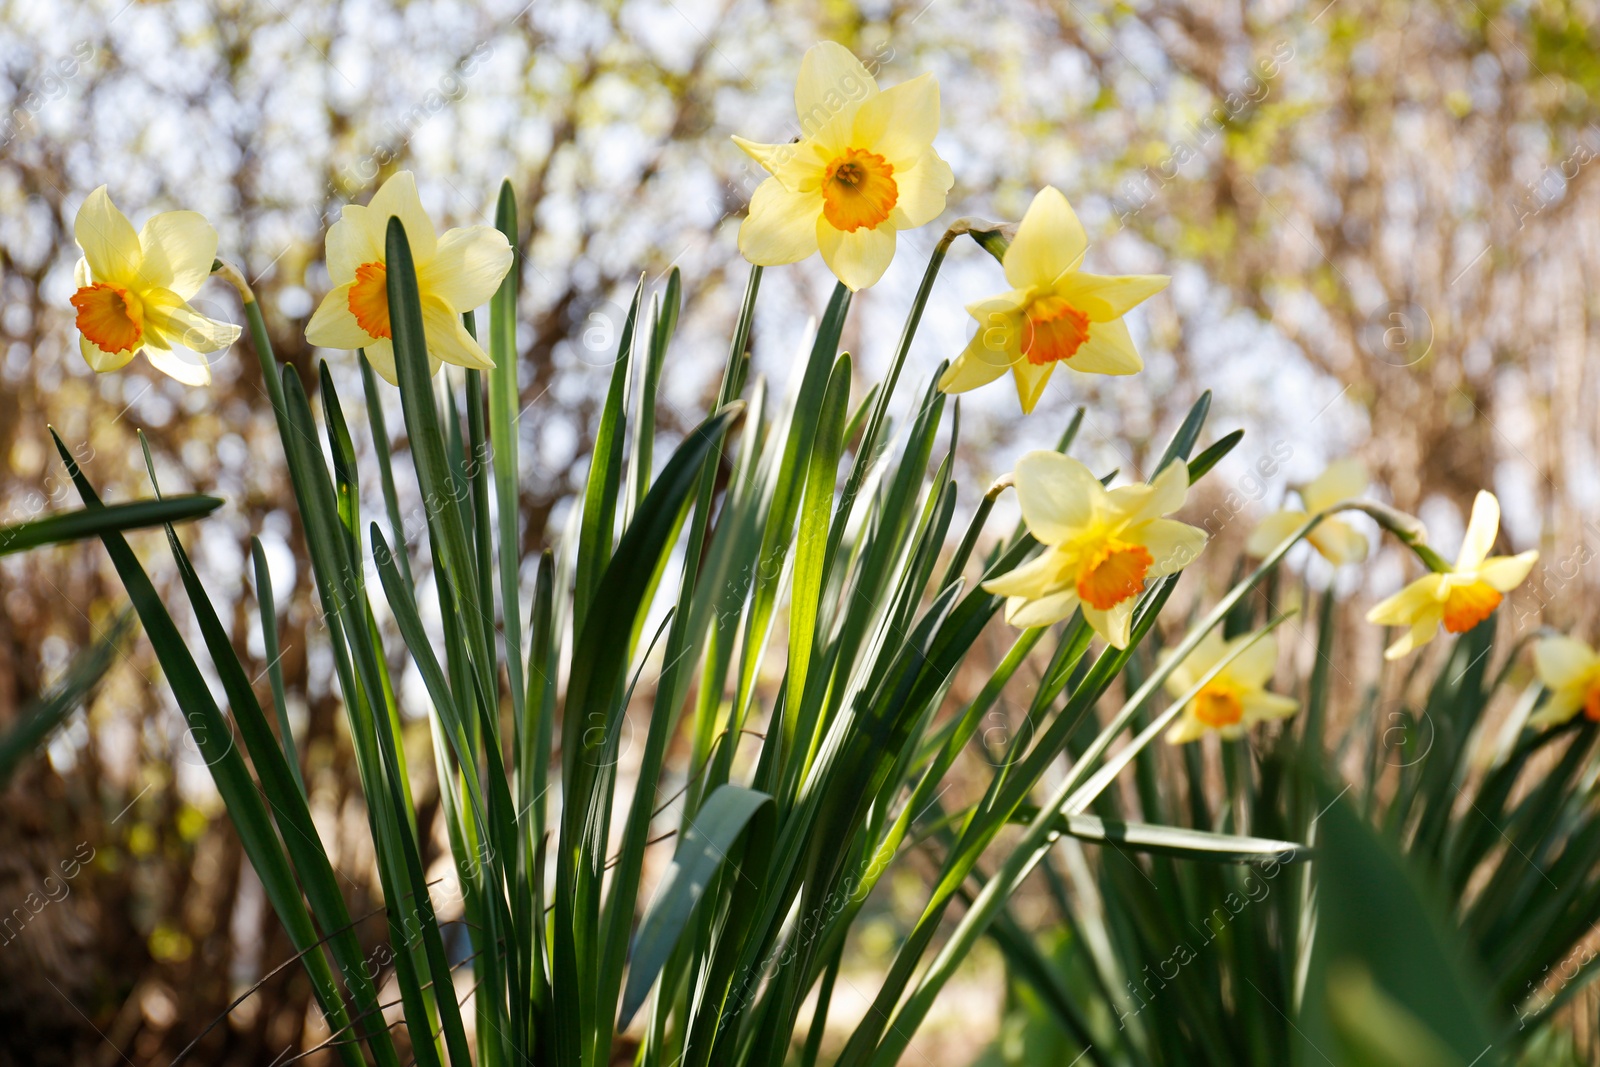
(1570, 669)
(456, 272)
(1336, 540)
(1101, 546)
(134, 289)
(1463, 596)
(863, 169)
(1236, 698)
(1054, 314)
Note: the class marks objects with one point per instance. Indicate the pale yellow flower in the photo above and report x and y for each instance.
(1236, 698)
(1462, 597)
(134, 290)
(1100, 546)
(1336, 540)
(863, 169)
(456, 272)
(1054, 314)
(1570, 669)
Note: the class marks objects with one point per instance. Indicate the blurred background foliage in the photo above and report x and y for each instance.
(1380, 216)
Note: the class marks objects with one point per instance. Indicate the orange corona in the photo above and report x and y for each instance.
(111, 318)
(858, 189)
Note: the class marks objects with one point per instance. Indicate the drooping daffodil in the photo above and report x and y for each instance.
(863, 169)
(1570, 669)
(1336, 540)
(1100, 546)
(1462, 596)
(456, 272)
(134, 290)
(1236, 698)
(1054, 314)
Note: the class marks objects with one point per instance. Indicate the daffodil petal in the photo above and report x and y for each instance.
(175, 322)
(1339, 542)
(1274, 530)
(100, 360)
(467, 267)
(1205, 656)
(781, 227)
(1038, 577)
(351, 242)
(1260, 706)
(1422, 595)
(1423, 630)
(175, 366)
(832, 82)
(923, 188)
(900, 123)
(858, 259)
(1164, 494)
(976, 365)
(1561, 706)
(1173, 545)
(333, 326)
(1481, 532)
(1114, 624)
(397, 198)
(1043, 611)
(1050, 240)
(1562, 661)
(1106, 297)
(1186, 728)
(1109, 350)
(448, 339)
(177, 249)
(1253, 667)
(797, 166)
(1031, 381)
(1342, 480)
(108, 240)
(1505, 573)
(1056, 493)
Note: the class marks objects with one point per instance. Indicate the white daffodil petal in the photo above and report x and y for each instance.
(858, 259)
(1186, 728)
(1115, 624)
(177, 249)
(781, 227)
(108, 240)
(333, 326)
(1050, 240)
(1481, 532)
(467, 268)
(1040, 576)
